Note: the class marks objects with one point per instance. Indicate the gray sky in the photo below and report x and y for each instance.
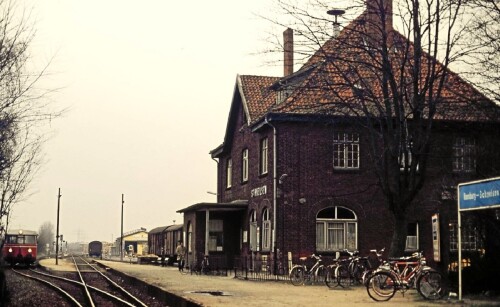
(148, 85)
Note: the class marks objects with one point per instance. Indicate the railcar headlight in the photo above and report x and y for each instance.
(29, 250)
(10, 249)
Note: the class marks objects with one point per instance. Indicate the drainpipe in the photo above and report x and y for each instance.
(275, 183)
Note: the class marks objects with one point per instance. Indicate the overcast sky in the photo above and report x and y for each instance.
(148, 86)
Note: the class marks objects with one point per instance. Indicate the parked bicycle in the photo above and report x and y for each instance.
(202, 268)
(338, 273)
(402, 274)
(371, 263)
(299, 273)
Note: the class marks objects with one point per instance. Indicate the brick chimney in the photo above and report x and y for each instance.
(288, 51)
(379, 10)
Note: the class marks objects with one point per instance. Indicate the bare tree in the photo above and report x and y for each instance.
(483, 43)
(392, 83)
(45, 236)
(24, 109)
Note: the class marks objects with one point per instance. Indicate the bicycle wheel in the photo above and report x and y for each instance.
(366, 276)
(357, 273)
(297, 276)
(321, 274)
(330, 279)
(343, 276)
(381, 286)
(430, 285)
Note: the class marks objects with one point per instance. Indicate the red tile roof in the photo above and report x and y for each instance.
(349, 60)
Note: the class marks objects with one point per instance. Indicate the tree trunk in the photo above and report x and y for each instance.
(399, 236)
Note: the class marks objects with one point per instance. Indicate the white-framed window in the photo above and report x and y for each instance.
(412, 237)
(253, 231)
(346, 150)
(229, 173)
(464, 155)
(406, 156)
(263, 156)
(266, 230)
(190, 237)
(283, 94)
(215, 235)
(244, 165)
(336, 229)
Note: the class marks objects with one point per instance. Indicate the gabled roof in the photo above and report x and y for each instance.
(329, 68)
(341, 55)
(254, 95)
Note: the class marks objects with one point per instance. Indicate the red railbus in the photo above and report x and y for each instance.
(20, 247)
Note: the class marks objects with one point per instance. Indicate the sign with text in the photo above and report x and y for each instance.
(482, 194)
(436, 240)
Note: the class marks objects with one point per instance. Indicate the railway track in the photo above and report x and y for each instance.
(87, 286)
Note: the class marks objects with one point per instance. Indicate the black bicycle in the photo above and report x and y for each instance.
(202, 268)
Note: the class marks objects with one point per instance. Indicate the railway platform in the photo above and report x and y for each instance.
(205, 290)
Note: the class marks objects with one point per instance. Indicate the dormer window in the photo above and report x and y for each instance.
(283, 94)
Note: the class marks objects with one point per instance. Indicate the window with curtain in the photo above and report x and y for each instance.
(266, 230)
(253, 231)
(336, 229)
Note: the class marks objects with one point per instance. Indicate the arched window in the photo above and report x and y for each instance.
(266, 230)
(190, 237)
(336, 229)
(253, 231)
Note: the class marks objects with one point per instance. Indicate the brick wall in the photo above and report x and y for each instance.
(305, 154)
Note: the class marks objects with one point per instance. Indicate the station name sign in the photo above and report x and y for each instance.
(258, 191)
(479, 194)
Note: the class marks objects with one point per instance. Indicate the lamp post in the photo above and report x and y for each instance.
(57, 231)
(121, 237)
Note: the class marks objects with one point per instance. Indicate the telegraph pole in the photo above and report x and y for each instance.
(57, 231)
(121, 238)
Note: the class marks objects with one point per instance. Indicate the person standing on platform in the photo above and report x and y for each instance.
(181, 255)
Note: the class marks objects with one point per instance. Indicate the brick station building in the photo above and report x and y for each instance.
(295, 176)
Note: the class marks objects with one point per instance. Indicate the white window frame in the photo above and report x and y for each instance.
(244, 165)
(266, 230)
(283, 94)
(216, 235)
(334, 234)
(401, 160)
(190, 237)
(412, 241)
(264, 149)
(464, 155)
(346, 150)
(253, 231)
(229, 173)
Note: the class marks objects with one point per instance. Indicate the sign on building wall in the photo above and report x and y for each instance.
(258, 191)
(436, 238)
(479, 194)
